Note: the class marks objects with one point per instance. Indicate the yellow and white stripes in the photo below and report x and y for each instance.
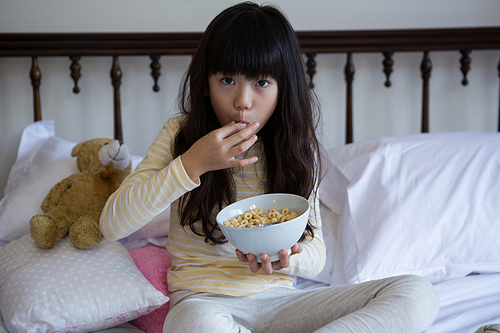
(158, 182)
(150, 189)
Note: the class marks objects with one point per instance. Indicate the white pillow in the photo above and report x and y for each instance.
(332, 196)
(34, 173)
(425, 204)
(43, 160)
(31, 138)
(67, 289)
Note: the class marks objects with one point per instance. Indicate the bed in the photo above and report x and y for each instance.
(421, 203)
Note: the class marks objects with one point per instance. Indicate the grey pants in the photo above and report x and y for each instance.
(400, 304)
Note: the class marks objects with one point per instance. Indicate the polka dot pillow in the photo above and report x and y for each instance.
(69, 290)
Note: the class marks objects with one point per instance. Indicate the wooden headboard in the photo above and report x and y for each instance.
(155, 45)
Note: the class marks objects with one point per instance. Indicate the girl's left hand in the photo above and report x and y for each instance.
(266, 264)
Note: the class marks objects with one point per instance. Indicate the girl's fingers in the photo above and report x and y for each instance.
(242, 134)
(284, 259)
(237, 138)
(250, 258)
(253, 264)
(266, 264)
(242, 162)
(243, 146)
(241, 256)
(296, 248)
(230, 129)
(217, 150)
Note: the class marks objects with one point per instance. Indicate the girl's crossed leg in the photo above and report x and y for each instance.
(400, 304)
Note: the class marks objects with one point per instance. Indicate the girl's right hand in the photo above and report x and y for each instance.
(217, 149)
(265, 264)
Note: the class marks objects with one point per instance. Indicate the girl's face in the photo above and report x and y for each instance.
(236, 98)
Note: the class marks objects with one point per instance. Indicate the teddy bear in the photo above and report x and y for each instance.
(74, 204)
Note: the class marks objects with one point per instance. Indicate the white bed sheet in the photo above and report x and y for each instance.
(466, 303)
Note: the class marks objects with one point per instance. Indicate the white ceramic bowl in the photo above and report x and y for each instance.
(270, 239)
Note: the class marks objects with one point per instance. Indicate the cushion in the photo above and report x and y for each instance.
(153, 262)
(424, 204)
(43, 160)
(70, 290)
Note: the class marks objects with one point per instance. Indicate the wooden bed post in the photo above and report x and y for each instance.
(311, 68)
(116, 76)
(425, 68)
(388, 63)
(75, 72)
(349, 77)
(155, 71)
(465, 62)
(36, 77)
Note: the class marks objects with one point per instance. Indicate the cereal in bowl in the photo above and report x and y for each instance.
(255, 218)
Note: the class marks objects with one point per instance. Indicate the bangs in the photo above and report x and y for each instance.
(246, 46)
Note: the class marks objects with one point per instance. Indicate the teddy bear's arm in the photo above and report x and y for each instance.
(56, 192)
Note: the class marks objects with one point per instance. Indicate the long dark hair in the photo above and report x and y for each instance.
(254, 41)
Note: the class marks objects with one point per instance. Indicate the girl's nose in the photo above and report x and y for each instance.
(243, 99)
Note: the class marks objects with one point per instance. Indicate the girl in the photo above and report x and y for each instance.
(247, 79)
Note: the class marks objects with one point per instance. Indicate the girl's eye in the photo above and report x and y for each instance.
(227, 81)
(262, 83)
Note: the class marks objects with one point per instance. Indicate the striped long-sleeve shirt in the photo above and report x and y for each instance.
(159, 181)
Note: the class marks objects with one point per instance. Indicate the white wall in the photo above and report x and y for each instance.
(194, 15)
(378, 111)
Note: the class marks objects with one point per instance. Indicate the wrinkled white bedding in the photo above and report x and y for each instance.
(467, 303)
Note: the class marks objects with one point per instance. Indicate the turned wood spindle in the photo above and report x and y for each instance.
(388, 63)
(425, 68)
(311, 68)
(349, 77)
(116, 76)
(75, 72)
(465, 62)
(36, 78)
(155, 71)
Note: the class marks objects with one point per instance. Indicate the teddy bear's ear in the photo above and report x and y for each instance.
(76, 149)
